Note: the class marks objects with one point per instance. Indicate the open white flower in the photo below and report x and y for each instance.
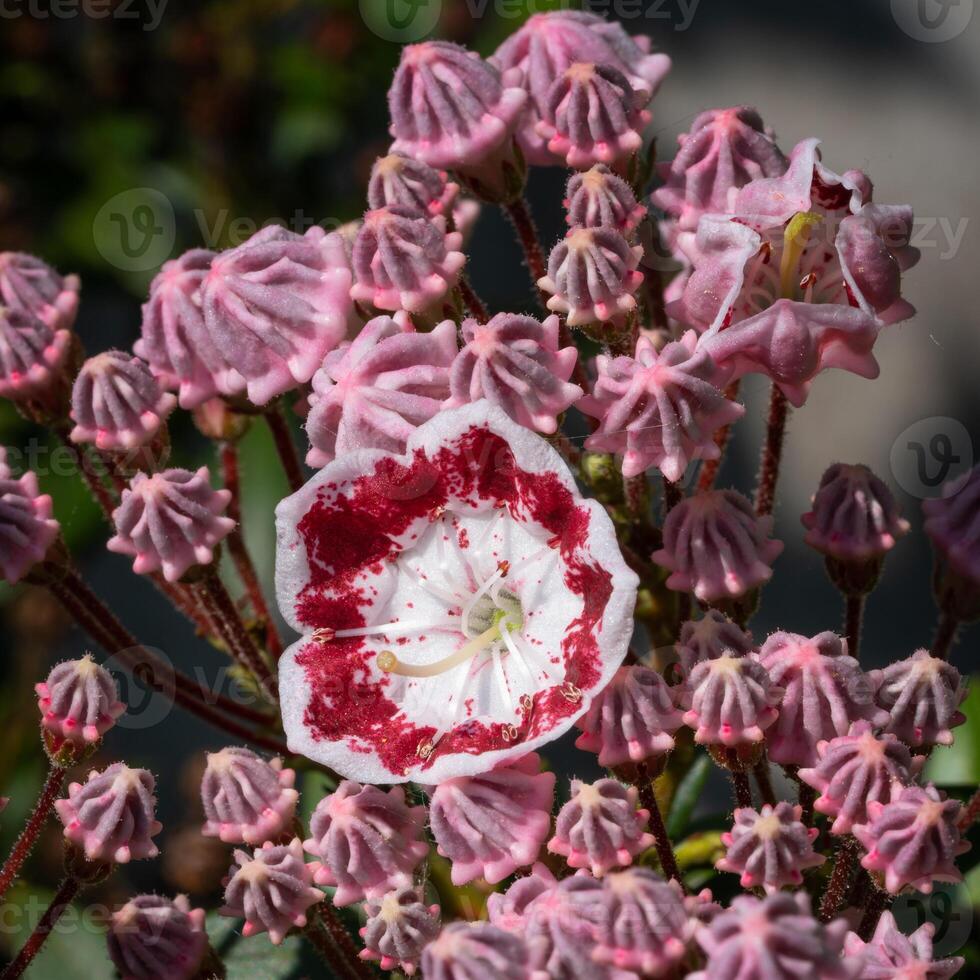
(460, 604)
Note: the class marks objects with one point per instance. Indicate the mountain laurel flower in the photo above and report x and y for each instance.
(548, 44)
(592, 276)
(633, 720)
(117, 403)
(515, 363)
(173, 339)
(274, 307)
(645, 926)
(404, 260)
(399, 926)
(921, 695)
(270, 889)
(79, 701)
(659, 408)
(854, 516)
(724, 150)
(891, 955)
(854, 770)
(27, 529)
(491, 824)
(368, 841)
(111, 816)
(33, 356)
(452, 110)
(824, 692)
(598, 198)
(715, 546)
(29, 285)
(157, 938)
(170, 521)
(774, 938)
(913, 840)
(710, 637)
(399, 180)
(460, 605)
(475, 951)
(600, 828)
(374, 391)
(730, 701)
(770, 847)
(591, 115)
(246, 799)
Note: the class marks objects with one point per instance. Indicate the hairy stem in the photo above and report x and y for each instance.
(326, 918)
(527, 234)
(970, 814)
(285, 447)
(853, 616)
(93, 480)
(743, 790)
(945, 635)
(473, 302)
(63, 897)
(764, 782)
(661, 840)
(709, 471)
(772, 453)
(35, 823)
(876, 903)
(840, 879)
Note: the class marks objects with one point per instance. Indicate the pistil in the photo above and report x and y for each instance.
(795, 240)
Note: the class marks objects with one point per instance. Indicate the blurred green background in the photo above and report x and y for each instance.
(215, 117)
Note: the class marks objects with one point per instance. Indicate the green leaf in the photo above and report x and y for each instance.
(959, 764)
(688, 793)
(256, 958)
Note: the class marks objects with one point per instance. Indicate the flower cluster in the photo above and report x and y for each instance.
(467, 585)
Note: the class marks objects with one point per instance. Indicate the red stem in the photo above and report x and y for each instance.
(854, 612)
(661, 840)
(28, 836)
(473, 302)
(761, 772)
(765, 494)
(945, 635)
(527, 234)
(840, 879)
(971, 811)
(103, 497)
(709, 471)
(63, 897)
(325, 916)
(285, 447)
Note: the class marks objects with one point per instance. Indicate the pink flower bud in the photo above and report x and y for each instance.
(367, 841)
(632, 720)
(373, 392)
(659, 408)
(27, 529)
(515, 363)
(854, 770)
(891, 955)
(271, 889)
(913, 840)
(716, 547)
(246, 799)
(117, 403)
(600, 199)
(952, 521)
(592, 276)
(79, 701)
(490, 825)
(399, 926)
(600, 828)
(710, 637)
(170, 521)
(400, 181)
(475, 950)
(30, 285)
(157, 938)
(32, 355)
(404, 261)
(112, 815)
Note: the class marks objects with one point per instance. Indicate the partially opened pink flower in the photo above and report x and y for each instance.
(825, 691)
(452, 110)
(515, 362)
(173, 339)
(460, 605)
(592, 276)
(599, 198)
(854, 770)
(401, 180)
(913, 840)
(490, 825)
(29, 285)
(32, 355)
(591, 115)
(891, 955)
(274, 306)
(374, 391)
(549, 43)
(716, 547)
(474, 951)
(723, 151)
(117, 403)
(404, 260)
(27, 529)
(170, 521)
(659, 408)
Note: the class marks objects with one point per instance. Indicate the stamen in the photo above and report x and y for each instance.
(396, 629)
(390, 664)
(795, 240)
